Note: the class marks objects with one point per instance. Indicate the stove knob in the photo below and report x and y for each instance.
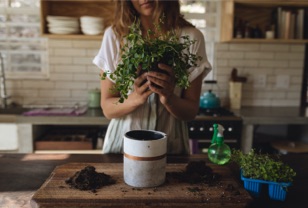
(191, 129)
(201, 129)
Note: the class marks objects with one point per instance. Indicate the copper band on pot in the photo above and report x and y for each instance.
(144, 158)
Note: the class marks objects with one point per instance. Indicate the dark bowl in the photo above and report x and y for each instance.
(145, 135)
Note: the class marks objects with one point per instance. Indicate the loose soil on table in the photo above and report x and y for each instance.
(89, 179)
(179, 190)
(195, 173)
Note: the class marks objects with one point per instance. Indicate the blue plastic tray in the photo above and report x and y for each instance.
(276, 190)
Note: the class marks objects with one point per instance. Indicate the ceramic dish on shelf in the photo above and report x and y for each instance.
(63, 30)
(60, 18)
(63, 24)
(92, 32)
(95, 26)
(91, 25)
(90, 19)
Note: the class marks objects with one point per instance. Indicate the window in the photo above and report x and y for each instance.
(24, 52)
(204, 15)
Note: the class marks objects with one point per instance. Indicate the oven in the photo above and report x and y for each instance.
(201, 129)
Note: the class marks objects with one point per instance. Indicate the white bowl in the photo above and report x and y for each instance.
(87, 19)
(92, 32)
(90, 27)
(94, 24)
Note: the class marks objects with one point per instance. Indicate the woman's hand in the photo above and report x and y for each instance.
(110, 100)
(141, 88)
(184, 106)
(162, 83)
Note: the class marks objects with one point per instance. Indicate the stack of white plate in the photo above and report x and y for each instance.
(63, 25)
(91, 25)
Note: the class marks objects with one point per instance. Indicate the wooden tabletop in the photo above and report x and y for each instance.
(21, 175)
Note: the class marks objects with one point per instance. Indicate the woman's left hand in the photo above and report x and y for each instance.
(162, 83)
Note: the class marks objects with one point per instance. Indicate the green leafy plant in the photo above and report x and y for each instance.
(147, 52)
(262, 166)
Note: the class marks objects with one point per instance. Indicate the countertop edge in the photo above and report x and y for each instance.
(249, 116)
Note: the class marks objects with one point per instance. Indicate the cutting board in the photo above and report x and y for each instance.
(173, 193)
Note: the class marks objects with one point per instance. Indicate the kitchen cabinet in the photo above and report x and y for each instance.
(67, 138)
(254, 16)
(31, 128)
(16, 137)
(8, 136)
(95, 8)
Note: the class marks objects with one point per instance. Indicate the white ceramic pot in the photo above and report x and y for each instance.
(144, 158)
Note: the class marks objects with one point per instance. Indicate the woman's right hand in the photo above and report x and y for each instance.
(141, 88)
(110, 100)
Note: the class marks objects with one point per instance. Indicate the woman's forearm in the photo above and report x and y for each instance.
(186, 107)
(182, 109)
(112, 108)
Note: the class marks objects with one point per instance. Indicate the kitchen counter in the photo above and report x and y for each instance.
(93, 116)
(22, 174)
(253, 116)
(250, 115)
(272, 115)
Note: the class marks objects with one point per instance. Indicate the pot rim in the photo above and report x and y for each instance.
(161, 135)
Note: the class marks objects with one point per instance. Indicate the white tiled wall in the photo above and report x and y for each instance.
(274, 62)
(72, 73)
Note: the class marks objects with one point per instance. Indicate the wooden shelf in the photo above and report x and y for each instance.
(73, 36)
(76, 8)
(263, 40)
(255, 12)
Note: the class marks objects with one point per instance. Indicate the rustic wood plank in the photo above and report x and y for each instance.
(56, 193)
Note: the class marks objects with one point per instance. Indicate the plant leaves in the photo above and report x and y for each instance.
(166, 48)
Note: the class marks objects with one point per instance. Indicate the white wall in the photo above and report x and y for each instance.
(72, 73)
(273, 62)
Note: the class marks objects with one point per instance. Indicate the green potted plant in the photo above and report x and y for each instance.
(258, 169)
(147, 52)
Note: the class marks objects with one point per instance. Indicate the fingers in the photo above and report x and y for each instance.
(160, 79)
(141, 79)
(162, 83)
(139, 70)
(141, 84)
(166, 68)
(161, 87)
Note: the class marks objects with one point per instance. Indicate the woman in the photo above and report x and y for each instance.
(155, 103)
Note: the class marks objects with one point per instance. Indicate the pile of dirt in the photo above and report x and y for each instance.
(89, 179)
(196, 172)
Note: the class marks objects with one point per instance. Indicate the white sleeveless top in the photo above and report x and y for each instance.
(152, 115)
